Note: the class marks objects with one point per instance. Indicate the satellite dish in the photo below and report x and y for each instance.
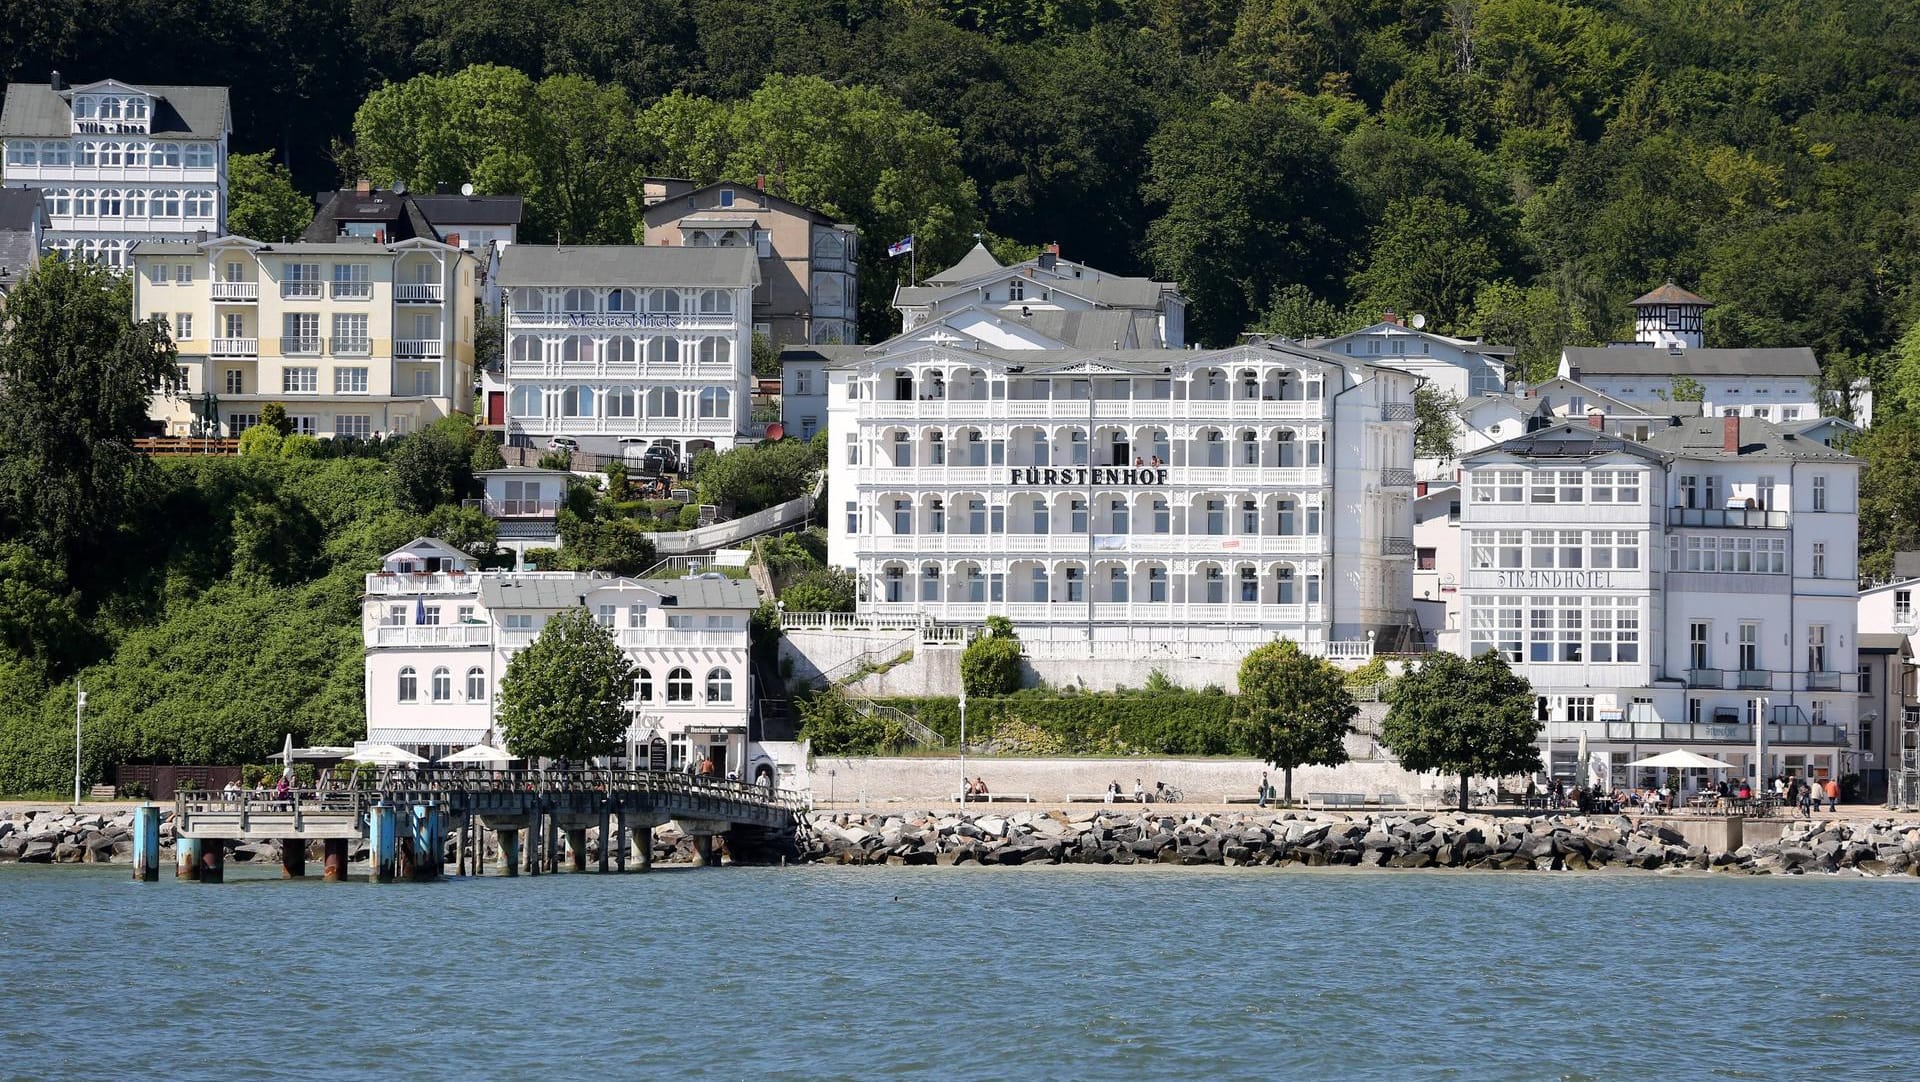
(776, 432)
(467, 188)
(1419, 322)
(399, 187)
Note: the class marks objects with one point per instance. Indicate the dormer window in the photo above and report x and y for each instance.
(1016, 290)
(726, 197)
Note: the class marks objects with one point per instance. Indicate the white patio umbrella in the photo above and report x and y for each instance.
(479, 753)
(385, 755)
(1682, 760)
(286, 753)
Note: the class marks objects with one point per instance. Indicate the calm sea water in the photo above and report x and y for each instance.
(961, 973)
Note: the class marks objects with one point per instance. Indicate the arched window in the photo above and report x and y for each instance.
(109, 108)
(620, 300)
(1249, 447)
(60, 202)
(56, 154)
(200, 203)
(570, 346)
(1289, 448)
(716, 351)
(619, 402)
(720, 686)
(577, 300)
(716, 302)
(86, 202)
(663, 301)
(679, 686)
(84, 108)
(622, 350)
(663, 402)
(442, 685)
(661, 350)
(476, 685)
(576, 401)
(714, 401)
(643, 687)
(136, 154)
(524, 401)
(409, 685)
(526, 348)
(166, 154)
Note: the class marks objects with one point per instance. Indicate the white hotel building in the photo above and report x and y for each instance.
(1669, 592)
(1135, 501)
(624, 347)
(439, 635)
(119, 164)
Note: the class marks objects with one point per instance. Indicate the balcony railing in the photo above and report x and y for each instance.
(1396, 478)
(433, 635)
(514, 508)
(236, 347)
(352, 291)
(682, 637)
(418, 293)
(1738, 518)
(1755, 679)
(350, 347)
(1396, 411)
(1399, 546)
(1825, 681)
(236, 291)
(1680, 732)
(300, 346)
(418, 348)
(1706, 678)
(387, 583)
(296, 290)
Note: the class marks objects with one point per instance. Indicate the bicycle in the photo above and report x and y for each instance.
(1168, 794)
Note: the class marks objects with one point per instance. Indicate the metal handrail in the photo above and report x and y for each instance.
(369, 786)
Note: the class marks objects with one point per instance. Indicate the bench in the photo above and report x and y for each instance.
(1099, 798)
(1338, 800)
(1391, 800)
(102, 792)
(989, 798)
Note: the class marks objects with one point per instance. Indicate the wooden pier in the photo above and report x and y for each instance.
(406, 817)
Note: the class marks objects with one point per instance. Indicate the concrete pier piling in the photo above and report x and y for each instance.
(619, 839)
(383, 843)
(293, 858)
(606, 839)
(333, 853)
(146, 843)
(429, 843)
(213, 861)
(186, 852)
(577, 849)
(509, 841)
(643, 841)
(536, 830)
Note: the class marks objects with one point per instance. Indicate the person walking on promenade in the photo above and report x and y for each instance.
(1264, 788)
(1833, 796)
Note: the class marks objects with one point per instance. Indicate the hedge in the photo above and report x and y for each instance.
(1177, 722)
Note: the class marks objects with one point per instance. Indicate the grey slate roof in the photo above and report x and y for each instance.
(536, 592)
(627, 265)
(541, 592)
(1591, 361)
(1881, 642)
(198, 112)
(446, 210)
(1670, 294)
(19, 207)
(976, 262)
(1689, 438)
(706, 593)
(400, 214)
(338, 246)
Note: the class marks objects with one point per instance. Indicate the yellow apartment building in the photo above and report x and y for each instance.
(354, 337)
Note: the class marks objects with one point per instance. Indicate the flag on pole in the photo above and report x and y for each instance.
(900, 247)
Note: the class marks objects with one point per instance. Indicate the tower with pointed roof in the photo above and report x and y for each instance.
(1669, 317)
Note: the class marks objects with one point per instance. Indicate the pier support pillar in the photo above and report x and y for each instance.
(551, 852)
(293, 858)
(383, 842)
(643, 841)
(213, 860)
(577, 850)
(536, 830)
(429, 843)
(702, 850)
(619, 837)
(186, 851)
(606, 839)
(146, 843)
(333, 860)
(509, 851)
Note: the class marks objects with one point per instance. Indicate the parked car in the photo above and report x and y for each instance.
(563, 443)
(660, 459)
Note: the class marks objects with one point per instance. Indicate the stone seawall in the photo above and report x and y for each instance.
(1380, 840)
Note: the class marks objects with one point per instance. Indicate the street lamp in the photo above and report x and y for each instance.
(79, 711)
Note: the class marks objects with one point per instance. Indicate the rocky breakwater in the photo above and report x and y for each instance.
(57, 836)
(1314, 839)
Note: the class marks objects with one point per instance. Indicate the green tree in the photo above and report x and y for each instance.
(431, 467)
(274, 416)
(465, 528)
(832, 725)
(1296, 313)
(990, 665)
(77, 377)
(565, 695)
(1294, 709)
(1687, 389)
(277, 540)
(1535, 320)
(1889, 493)
(757, 476)
(265, 205)
(592, 542)
(1462, 717)
(487, 454)
(1897, 394)
(1230, 235)
(821, 589)
(261, 440)
(1426, 256)
(1434, 421)
(39, 613)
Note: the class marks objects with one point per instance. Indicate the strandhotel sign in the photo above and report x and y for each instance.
(1088, 475)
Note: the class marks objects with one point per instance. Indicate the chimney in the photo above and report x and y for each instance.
(453, 239)
(1730, 434)
(760, 182)
(1420, 488)
(363, 186)
(1391, 317)
(1596, 420)
(58, 84)
(1053, 249)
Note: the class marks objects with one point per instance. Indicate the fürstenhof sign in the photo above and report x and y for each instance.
(1087, 475)
(590, 319)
